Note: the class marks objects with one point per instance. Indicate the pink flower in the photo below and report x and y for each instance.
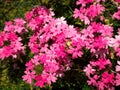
(108, 78)
(41, 80)
(89, 70)
(83, 2)
(9, 26)
(51, 78)
(29, 65)
(117, 81)
(118, 66)
(80, 14)
(19, 22)
(117, 1)
(93, 80)
(28, 16)
(17, 26)
(101, 85)
(29, 76)
(94, 10)
(102, 63)
(76, 48)
(117, 15)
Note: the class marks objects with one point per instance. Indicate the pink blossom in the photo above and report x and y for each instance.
(118, 66)
(93, 80)
(41, 80)
(83, 2)
(117, 15)
(29, 76)
(9, 26)
(16, 26)
(117, 81)
(101, 85)
(28, 16)
(89, 70)
(94, 10)
(19, 22)
(108, 78)
(102, 63)
(117, 1)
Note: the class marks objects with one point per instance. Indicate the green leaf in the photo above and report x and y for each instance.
(86, 87)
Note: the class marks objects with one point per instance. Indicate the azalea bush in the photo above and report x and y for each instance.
(53, 49)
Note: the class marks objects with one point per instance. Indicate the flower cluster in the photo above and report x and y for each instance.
(18, 26)
(48, 44)
(88, 10)
(96, 37)
(10, 45)
(99, 75)
(10, 42)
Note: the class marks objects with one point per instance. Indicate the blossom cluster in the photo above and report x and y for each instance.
(96, 37)
(10, 42)
(48, 44)
(99, 74)
(88, 10)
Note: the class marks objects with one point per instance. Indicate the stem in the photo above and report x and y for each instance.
(31, 87)
(70, 9)
(50, 87)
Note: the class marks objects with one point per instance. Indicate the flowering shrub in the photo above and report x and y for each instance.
(55, 45)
